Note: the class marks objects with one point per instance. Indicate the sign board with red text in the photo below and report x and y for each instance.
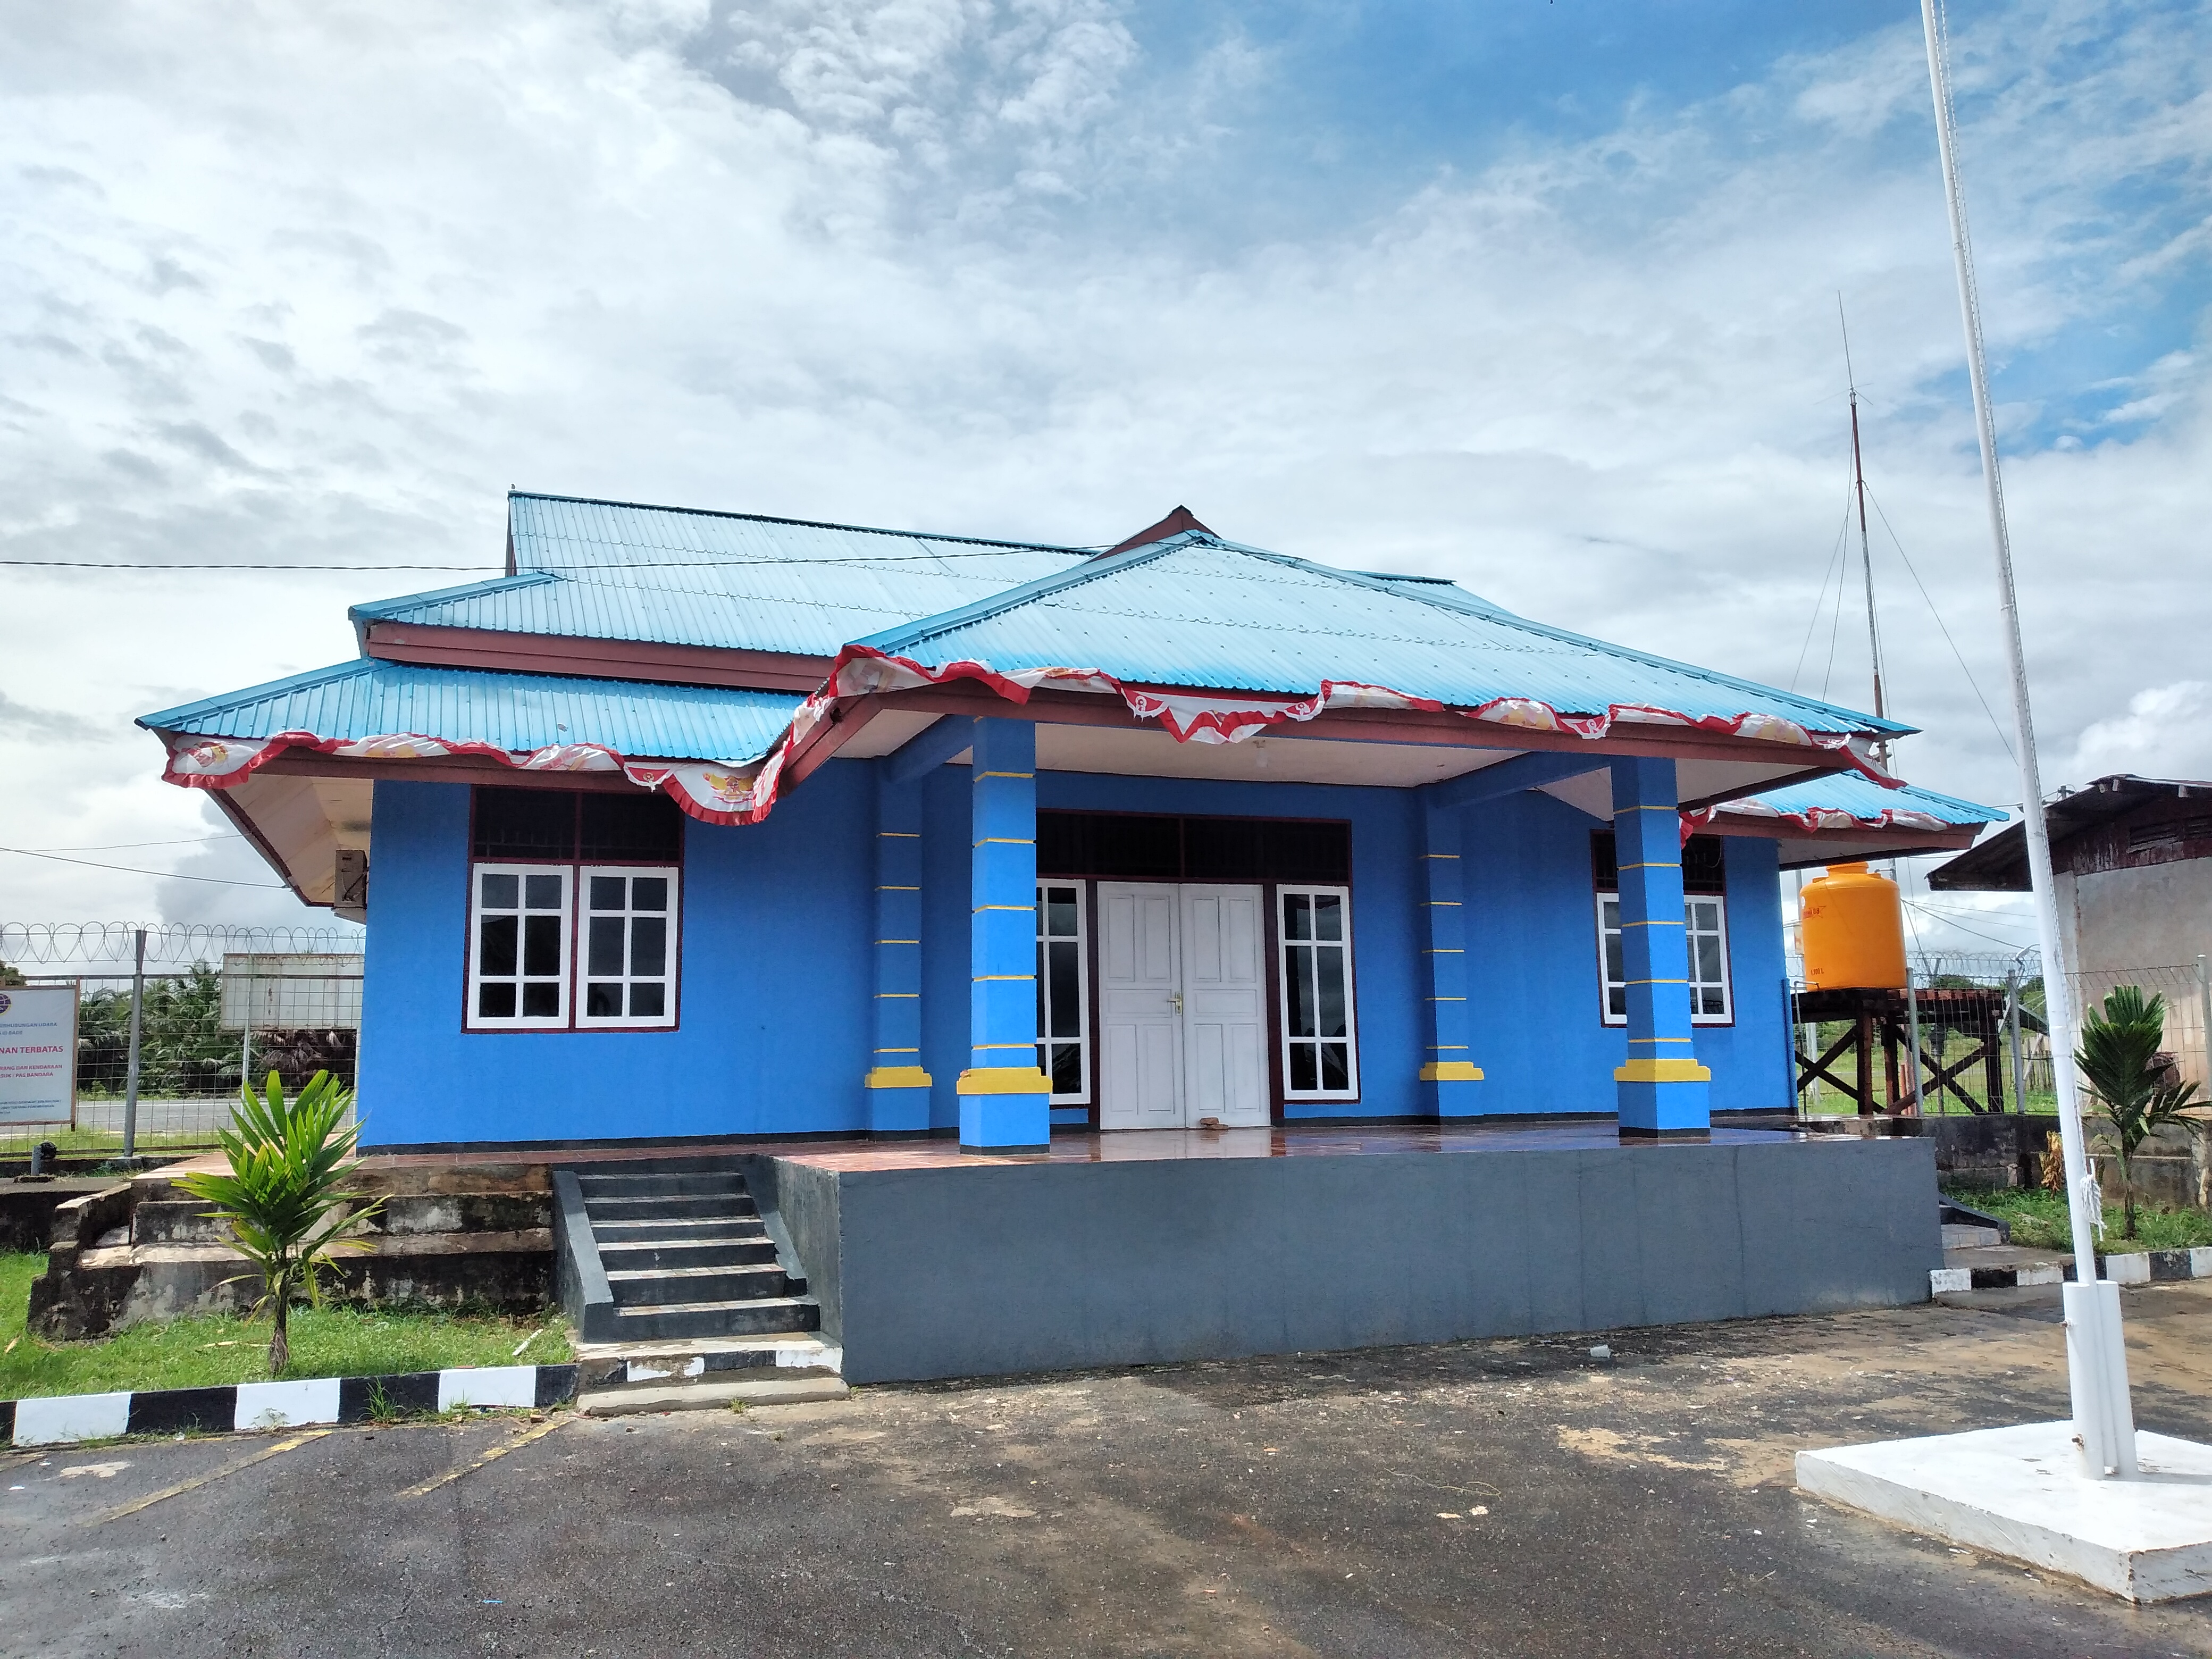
(38, 1053)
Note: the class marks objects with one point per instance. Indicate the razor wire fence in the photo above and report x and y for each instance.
(215, 1004)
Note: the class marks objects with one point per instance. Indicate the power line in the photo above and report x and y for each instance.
(1949, 922)
(734, 563)
(165, 875)
(121, 846)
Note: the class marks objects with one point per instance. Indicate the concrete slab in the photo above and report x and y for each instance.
(2016, 1492)
(710, 1396)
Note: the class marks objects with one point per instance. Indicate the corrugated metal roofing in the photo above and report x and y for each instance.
(514, 712)
(606, 570)
(1198, 611)
(1848, 792)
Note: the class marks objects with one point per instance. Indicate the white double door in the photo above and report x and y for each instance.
(1182, 1005)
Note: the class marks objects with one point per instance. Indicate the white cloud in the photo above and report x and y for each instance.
(316, 285)
(2165, 733)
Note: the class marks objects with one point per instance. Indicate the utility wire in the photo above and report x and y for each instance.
(123, 846)
(2008, 944)
(165, 875)
(1995, 725)
(628, 564)
(1935, 909)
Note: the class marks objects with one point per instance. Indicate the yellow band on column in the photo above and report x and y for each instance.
(1451, 1071)
(897, 1077)
(1663, 1071)
(1003, 1081)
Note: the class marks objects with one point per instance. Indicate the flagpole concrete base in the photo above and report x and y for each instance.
(2021, 1493)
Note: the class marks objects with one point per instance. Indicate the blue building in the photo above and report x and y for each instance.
(699, 826)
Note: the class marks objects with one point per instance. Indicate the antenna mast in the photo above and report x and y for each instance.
(1866, 553)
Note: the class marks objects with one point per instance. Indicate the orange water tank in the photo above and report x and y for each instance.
(1853, 931)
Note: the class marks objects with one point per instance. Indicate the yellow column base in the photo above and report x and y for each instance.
(1003, 1081)
(897, 1077)
(1451, 1071)
(1663, 1071)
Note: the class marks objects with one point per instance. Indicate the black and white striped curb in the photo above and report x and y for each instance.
(2140, 1267)
(252, 1408)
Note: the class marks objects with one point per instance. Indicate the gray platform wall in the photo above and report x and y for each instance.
(995, 1268)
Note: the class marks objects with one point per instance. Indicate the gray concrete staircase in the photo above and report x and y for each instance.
(681, 1296)
(665, 1255)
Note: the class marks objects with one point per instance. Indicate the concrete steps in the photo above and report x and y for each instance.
(651, 1286)
(736, 1316)
(645, 1254)
(682, 1255)
(645, 1206)
(709, 1396)
(783, 1368)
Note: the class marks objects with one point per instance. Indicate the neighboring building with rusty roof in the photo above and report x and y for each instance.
(2132, 859)
(704, 825)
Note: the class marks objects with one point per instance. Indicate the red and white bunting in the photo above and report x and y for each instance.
(741, 794)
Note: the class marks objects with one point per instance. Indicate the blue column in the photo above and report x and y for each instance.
(1448, 1072)
(1006, 1101)
(898, 1088)
(1662, 1091)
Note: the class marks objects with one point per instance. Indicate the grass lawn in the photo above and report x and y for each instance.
(2039, 1220)
(330, 1341)
(75, 1142)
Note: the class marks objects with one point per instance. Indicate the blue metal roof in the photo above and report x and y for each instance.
(1862, 798)
(518, 712)
(610, 571)
(1196, 611)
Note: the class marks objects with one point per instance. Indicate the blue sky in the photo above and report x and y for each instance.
(1539, 296)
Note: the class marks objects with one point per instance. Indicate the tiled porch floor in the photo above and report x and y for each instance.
(1133, 1146)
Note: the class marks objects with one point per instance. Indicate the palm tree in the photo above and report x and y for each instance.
(2119, 1059)
(286, 1195)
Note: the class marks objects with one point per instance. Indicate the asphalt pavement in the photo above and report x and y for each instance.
(1493, 1498)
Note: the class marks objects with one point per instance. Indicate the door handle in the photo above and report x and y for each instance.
(1174, 1001)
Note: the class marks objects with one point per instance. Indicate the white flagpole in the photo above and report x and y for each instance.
(2096, 1353)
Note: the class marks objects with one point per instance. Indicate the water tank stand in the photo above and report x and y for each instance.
(1881, 1017)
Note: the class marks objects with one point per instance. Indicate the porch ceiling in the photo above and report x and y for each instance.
(1293, 757)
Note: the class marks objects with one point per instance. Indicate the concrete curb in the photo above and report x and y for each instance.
(254, 1408)
(2141, 1267)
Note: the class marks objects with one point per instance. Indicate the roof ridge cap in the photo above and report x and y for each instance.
(513, 496)
(895, 639)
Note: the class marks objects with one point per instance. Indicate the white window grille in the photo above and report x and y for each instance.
(626, 957)
(1320, 1050)
(1063, 988)
(1704, 919)
(519, 940)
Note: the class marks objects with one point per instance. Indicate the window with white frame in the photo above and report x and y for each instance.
(573, 911)
(1321, 1051)
(628, 964)
(1063, 991)
(1705, 922)
(518, 967)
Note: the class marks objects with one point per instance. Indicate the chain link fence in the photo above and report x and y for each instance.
(1982, 1042)
(214, 1004)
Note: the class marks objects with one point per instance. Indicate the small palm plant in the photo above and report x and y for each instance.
(2118, 1057)
(286, 1198)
